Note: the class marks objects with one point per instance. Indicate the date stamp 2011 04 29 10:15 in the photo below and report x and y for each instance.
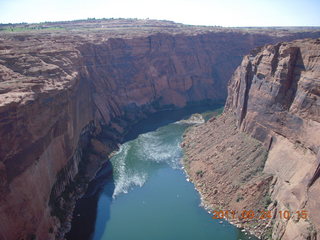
(262, 214)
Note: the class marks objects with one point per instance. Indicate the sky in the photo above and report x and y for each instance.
(196, 12)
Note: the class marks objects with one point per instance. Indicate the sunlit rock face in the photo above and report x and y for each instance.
(273, 101)
(275, 96)
(61, 92)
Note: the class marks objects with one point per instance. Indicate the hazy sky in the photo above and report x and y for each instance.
(199, 12)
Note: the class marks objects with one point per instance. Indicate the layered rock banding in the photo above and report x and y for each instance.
(273, 102)
(63, 92)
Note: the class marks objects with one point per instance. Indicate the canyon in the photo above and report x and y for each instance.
(67, 98)
(263, 151)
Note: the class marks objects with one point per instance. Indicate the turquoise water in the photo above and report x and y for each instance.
(148, 196)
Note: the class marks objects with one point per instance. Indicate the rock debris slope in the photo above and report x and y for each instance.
(263, 152)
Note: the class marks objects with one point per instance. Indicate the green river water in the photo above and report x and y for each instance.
(147, 196)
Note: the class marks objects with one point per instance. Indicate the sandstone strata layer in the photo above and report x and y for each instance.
(63, 93)
(273, 100)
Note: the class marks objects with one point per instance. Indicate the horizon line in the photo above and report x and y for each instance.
(164, 20)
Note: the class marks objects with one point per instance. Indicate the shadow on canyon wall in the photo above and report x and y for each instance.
(85, 214)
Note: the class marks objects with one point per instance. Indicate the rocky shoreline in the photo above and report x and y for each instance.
(262, 154)
(222, 173)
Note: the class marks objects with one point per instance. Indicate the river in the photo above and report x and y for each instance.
(144, 193)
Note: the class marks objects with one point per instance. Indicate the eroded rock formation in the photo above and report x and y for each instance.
(63, 93)
(273, 98)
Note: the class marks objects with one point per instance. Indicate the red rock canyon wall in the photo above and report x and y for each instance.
(59, 91)
(275, 95)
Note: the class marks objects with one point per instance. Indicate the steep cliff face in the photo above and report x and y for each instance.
(151, 72)
(38, 139)
(279, 88)
(61, 94)
(273, 97)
